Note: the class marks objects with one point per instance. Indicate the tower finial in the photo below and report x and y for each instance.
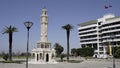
(44, 7)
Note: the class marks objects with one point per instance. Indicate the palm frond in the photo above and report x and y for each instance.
(67, 27)
(9, 29)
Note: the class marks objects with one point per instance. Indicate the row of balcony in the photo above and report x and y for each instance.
(110, 31)
(94, 37)
(108, 27)
(89, 26)
(104, 40)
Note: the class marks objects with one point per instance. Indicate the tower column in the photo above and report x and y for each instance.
(44, 26)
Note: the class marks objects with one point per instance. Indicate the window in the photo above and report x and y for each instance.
(101, 52)
(101, 48)
(96, 53)
(99, 23)
(42, 46)
(40, 55)
(33, 55)
(46, 46)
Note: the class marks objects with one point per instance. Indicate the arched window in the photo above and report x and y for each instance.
(47, 57)
(37, 57)
(46, 46)
(42, 46)
(45, 12)
(33, 55)
(40, 55)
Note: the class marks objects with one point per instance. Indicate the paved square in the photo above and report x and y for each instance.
(90, 63)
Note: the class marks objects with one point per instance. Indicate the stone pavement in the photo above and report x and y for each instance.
(90, 63)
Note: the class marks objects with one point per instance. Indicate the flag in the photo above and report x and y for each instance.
(107, 6)
(110, 6)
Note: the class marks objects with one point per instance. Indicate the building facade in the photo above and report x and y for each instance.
(101, 34)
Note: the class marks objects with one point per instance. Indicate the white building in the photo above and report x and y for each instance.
(101, 34)
(43, 53)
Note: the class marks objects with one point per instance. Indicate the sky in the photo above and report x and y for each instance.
(60, 12)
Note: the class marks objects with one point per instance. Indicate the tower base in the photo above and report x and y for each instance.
(43, 54)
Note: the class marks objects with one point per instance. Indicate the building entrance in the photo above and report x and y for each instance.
(47, 57)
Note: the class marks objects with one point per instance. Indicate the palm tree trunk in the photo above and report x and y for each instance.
(68, 34)
(10, 46)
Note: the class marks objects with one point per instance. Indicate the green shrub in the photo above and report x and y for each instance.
(5, 57)
(62, 56)
(75, 61)
(117, 53)
(84, 52)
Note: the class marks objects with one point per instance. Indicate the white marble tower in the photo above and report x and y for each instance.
(44, 26)
(43, 53)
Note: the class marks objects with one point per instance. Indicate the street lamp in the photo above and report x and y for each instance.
(28, 25)
(112, 37)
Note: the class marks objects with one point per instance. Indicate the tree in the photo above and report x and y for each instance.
(62, 56)
(5, 57)
(117, 52)
(9, 30)
(81, 52)
(84, 52)
(58, 48)
(67, 27)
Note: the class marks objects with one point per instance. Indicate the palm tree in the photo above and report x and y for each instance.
(9, 30)
(67, 27)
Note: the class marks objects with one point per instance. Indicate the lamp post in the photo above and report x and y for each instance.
(28, 25)
(112, 37)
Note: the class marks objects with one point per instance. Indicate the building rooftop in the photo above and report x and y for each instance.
(113, 18)
(107, 17)
(88, 23)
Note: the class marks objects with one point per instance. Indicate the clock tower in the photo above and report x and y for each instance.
(43, 53)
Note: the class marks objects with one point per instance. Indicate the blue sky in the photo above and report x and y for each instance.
(61, 12)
